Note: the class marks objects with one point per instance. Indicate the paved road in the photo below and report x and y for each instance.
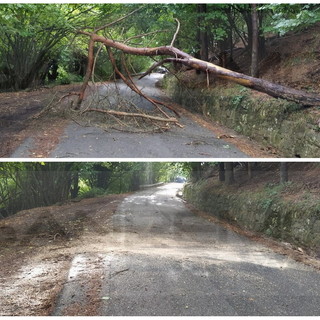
(192, 141)
(163, 260)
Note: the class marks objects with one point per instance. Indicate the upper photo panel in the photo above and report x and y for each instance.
(159, 80)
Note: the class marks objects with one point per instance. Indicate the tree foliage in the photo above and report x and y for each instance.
(291, 17)
(39, 41)
(34, 184)
(31, 37)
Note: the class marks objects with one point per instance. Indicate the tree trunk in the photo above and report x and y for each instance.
(202, 33)
(229, 175)
(283, 172)
(261, 38)
(272, 89)
(245, 11)
(88, 73)
(255, 42)
(74, 190)
(102, 176)
(221, 172)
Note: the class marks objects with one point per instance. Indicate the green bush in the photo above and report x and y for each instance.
(92, 193)
(63, 76)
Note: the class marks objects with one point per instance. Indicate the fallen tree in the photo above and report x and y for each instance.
(174, 55)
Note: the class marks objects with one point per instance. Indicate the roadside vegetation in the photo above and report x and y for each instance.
(279, 200)
(39, 184)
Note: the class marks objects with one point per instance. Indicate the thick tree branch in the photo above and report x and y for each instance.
(272, 89)
(157, 51)
(88, 73)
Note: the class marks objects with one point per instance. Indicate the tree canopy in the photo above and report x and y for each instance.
(40, 42)
(35, 184)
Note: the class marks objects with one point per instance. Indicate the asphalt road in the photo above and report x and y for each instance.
(162, 260)
(192, 141)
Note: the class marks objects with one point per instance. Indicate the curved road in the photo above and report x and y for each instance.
(192, 141)
(163, 260)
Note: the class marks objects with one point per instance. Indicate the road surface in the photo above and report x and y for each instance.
(192, 141)
(161, 260)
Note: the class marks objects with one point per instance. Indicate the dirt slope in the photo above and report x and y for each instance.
(37, 246)
(293, 59)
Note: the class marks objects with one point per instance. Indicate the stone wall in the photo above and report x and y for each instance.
(263, 211)
(272, 122)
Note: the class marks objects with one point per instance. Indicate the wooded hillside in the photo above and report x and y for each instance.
(41, 44)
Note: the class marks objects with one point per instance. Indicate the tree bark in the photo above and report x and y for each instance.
(255, 42)
(202, 33)
(272, 89)
(88, 73)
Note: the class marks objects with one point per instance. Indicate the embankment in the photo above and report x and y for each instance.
(292, 130)
(274, 210)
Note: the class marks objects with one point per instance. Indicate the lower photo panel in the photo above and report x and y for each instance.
(160, 238)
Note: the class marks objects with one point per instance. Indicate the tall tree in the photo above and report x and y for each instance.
(255, 42)
(203, 32)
